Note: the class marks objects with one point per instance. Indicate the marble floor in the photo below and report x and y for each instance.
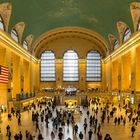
(117, 132)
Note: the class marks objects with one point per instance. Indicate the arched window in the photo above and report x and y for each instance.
(47, 71)
(70, 66)
(93, 67)
(116, 44)
(25, 45)
(14, 35)
(1, 23)
(126, 35)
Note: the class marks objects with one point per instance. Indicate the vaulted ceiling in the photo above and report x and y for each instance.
(41, 16)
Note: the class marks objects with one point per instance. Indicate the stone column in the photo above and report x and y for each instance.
(16, 75)
(8, 64)
(59, 71)
(21, 75)
(133, 76)
(108, 75)
(120, 80)
(82, 74)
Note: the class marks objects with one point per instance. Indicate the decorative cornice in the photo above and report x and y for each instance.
(66, 32)
(11, 44)
(124, 48)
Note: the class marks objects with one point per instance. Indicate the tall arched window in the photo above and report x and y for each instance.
(116, 44)
(70, 66)
(14, 35)
(126, 35)
(93, 67)
(25, 45)
(47, 72)
(1, 23)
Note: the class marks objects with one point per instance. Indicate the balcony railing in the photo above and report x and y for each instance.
(24, 96)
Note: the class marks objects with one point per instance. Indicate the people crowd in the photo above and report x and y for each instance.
(46, 112)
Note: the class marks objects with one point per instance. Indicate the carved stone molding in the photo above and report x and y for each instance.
(68, 33)
(135, 12)
(112, 39)
(5, 12)
(29, 40)
(19, 27)
(121, 26)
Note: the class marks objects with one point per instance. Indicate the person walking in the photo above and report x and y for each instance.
(7, 130)
(76, 129)
(81, 135)
(119, 120)
(85, 127)
(37, 126)
(99, 135)
(124, 121)
(60, 135)
(133, 130)
(9, 135)
(16, 137)
(90, 134)
(115, 120)
(52, 135)
(108, 119)
(20, 135)
(19, 120)
(107, 137)
(40, 137)
(0, 134)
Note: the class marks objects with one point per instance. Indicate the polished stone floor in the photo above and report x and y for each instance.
(117, 132)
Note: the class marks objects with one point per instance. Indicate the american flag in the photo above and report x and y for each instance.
(3, 74)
